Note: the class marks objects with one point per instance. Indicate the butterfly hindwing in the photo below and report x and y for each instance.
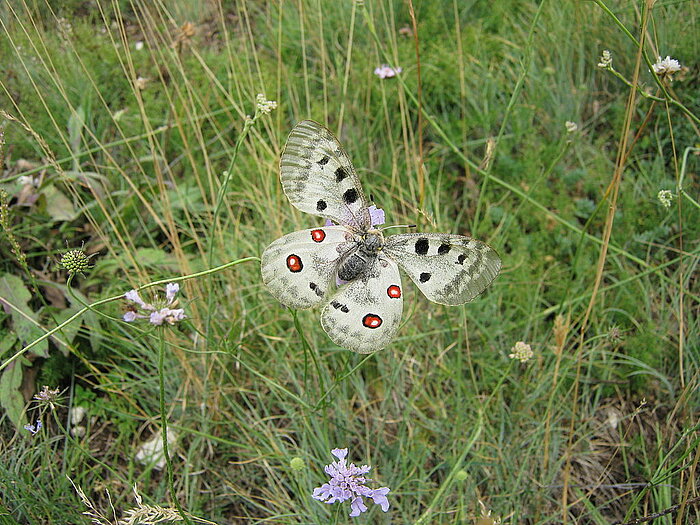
(448, 269)
(364, 314)
(318, 177)
(299, 268)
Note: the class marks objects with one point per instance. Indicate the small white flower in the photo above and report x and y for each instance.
(138, 46)
(665, 197)
(666, 67)
(605, 60)
(571, 126)
(263, 105)
(522, 352)
(385, 71)
(166, 315)
(157, 313)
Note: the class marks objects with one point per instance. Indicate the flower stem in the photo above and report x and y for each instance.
(164, 431)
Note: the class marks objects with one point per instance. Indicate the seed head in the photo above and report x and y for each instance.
(297, 464)
(75, 261)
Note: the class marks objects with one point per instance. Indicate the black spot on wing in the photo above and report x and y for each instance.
(321, 205)
(323, 161)
(460, 259)
(443, 249)
(422, 246)
(350, 196)
(340, 174)
(339, 306)
(424, 277)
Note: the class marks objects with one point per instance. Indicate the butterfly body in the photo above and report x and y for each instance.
(350, 266)
(360, 259)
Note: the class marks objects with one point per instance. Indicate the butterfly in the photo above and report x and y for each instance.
(348, 265)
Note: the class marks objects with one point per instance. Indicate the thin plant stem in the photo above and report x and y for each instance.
(164, 427)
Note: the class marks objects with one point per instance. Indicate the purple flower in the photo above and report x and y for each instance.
(33, 428)
(348, 483)
(171, 290)
(157, 313)
(376, 215)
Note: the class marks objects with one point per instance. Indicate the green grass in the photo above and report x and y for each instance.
(600, 426)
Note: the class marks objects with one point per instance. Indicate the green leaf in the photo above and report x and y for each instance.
(25, 322)
(10, 397)
(58, 206)
(7, 341)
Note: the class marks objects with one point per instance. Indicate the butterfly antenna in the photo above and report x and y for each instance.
(398, 226)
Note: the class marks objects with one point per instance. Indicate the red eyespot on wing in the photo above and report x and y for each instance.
(294, 263)
(372, 321)
(394, 291)
(318, 235)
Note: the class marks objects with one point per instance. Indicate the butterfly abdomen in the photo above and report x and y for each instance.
(355, 265)
(359, 262)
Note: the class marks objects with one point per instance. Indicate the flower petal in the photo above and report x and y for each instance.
(171, 290)
(379, 497)
(133, 296)
(158, 317)
(340, 453)
(357, 507)
(376, 215)
(322, 493)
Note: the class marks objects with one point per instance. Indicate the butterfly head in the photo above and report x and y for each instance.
(372, 241)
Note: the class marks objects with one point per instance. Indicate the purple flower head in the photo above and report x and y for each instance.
(157, 313)
(348, 483)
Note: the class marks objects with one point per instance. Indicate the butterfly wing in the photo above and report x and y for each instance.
(318, 177)
(448, 269)
(363, 315)
(300, 267)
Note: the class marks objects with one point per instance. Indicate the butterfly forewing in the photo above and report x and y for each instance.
(318, 177)
(299, 268)
(364, 314)
(448, 269)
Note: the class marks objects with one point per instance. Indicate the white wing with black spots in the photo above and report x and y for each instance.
(300, 267)
(318, 177)
(448, 269)
(363, 315)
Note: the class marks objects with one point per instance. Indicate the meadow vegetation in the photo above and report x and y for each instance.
(130, 133)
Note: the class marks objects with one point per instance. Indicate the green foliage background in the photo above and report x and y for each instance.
(128, 149)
